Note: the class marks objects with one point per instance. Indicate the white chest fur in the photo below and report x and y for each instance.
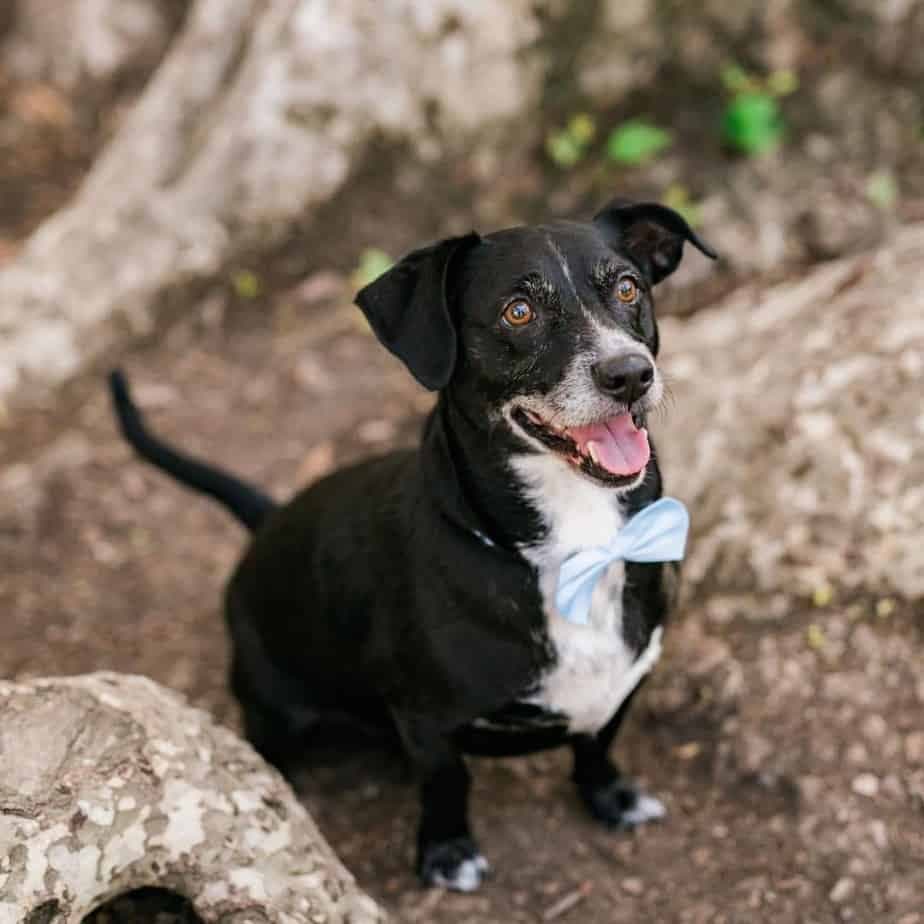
(594, 669)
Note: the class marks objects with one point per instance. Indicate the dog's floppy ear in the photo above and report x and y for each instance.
(408, 309)
(651, 234)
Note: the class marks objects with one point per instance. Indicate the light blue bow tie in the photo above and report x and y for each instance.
(658, 532)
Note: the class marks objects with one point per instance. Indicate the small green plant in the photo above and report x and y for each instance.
(815, 636)
(636, 142)
(677, 197)
(372, 263)
(782, 82)
(567, 147)
(246, 283)
(882, 189)
(753, 123)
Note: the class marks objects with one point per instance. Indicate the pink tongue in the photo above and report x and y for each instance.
(620, 447)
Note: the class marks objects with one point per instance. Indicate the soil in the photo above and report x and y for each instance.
(784, 735)
(794, 775)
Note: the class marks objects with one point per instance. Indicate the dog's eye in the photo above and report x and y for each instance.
(626, 289)
(518, 313)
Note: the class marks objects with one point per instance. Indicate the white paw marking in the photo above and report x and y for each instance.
(646, 808)
(466, 877)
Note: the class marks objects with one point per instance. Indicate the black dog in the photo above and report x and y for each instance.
(416, 591)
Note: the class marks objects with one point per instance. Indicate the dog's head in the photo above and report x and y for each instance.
(549, 331)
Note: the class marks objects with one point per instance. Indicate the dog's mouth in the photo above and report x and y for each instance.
(614, 450)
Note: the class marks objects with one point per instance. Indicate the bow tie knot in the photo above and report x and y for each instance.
(656, 533)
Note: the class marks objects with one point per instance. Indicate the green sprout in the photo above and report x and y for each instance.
(568, 146)
(782, 82)
(753, 123)
(372, 263)
(815, 636)
(246, 283)
(563, 150)
(636, 142)
(882, 189)
(677, 197)
(737, 80)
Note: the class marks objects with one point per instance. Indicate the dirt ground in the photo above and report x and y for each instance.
(794, 775)
(784, 735)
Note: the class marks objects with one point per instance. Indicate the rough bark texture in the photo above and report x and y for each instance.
(799, 445)
(109, 783)
(80, 44)
(256, 115)
(263, 108)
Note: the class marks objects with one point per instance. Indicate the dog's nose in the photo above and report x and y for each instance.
(626, 377)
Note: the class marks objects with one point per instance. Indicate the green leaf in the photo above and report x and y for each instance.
(677, 197)
(736, 79)
(636, 142)
(753, 123)
(823, 594)
(564, 149)
(782, 82)
(582, 128)
(372, 263)
(815, 636)
(246, 283)
(882, 189)
(568, 146)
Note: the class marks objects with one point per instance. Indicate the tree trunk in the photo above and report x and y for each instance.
(798, 433)
(261, 110)
(256, 115)
(110, 783)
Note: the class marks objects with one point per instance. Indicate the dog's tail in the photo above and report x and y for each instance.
(247, 503)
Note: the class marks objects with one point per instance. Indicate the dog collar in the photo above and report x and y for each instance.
(656, 533)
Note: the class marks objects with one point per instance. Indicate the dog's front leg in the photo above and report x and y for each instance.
(447, 855)
(608, 795)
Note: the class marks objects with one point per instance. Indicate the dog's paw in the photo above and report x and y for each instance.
(620, 805)
(454, 864)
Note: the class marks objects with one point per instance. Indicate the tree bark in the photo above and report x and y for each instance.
(109, 783)
(80, 45)
(798, 432)
(262, 109)
(256, 115)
